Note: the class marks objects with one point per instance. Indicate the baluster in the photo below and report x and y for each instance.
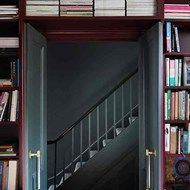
(55, 166)
(106, 119)
(130, 98)
(89, 132)
(114, 113)
(122, 106)
(81, 124)
(98, 128)
(72, 149)
(63, 164)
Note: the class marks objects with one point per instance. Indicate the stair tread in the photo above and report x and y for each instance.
(78, 165)
(67, 175)
(93, 152)
(105, 142)
(118, 130)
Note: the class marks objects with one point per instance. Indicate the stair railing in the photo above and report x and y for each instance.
(114, 110)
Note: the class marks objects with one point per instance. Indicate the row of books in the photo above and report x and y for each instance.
(9, 42)
(76, 8)
(172, 38)
(9, 106)
(173, 72)
(85, 7)
(8, 175)
(177, 140)
(8, 11)
(177, 11)
(13, 81)
(42, 7)
(7, 150)
(177, 105)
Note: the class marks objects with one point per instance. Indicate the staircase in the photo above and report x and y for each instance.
(99, 140)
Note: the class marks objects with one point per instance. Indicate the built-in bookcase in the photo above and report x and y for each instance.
(176, 102)
(9, 95)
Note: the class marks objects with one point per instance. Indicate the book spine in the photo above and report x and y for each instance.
(172, 105)
(167, 71)
(185, 142)
(166, 105)
(1, 174)
(176, 72)
(177, 39)
(187, 106)
(188, 138)
(167, 137)
(176, 105)
(168, 36)
(180, 72)
(14, 105)
(172, 72)
(169, 104)
(173, 140)
(179, 141)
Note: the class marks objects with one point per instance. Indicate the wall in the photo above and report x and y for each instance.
(79, 74)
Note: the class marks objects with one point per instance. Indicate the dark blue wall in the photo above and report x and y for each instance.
(79, 74)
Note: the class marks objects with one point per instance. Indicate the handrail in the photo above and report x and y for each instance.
(92, 108)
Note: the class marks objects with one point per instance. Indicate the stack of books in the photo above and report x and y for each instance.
(42, 7)
(7, 150)
(141, 8)
(177, 11)
(8, 11)
(177, 105)
(8, 174)
(172, 38)
(76, 8)
(177, 140)
(9, 42)
(9, 106)
(174, 72)
(109, 8)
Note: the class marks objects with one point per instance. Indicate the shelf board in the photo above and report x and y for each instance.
(176, 88)
(176, 1)
(92, 28)
(9, 157)
(180, 54)
(8, 88)
(8, 123)
(177, 121)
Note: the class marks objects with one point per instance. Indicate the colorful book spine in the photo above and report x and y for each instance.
(185, 142)
(172, 72)
(173, 140)
(168, 36)
(167, 71)
(168, 104)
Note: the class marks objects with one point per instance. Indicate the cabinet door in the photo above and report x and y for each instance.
(151, 85)
(35, 166)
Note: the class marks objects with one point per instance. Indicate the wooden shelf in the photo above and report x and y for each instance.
(177, 121)
(92, 28)
(180, 54)
(176, 88)
(9, 157)
(8, 88)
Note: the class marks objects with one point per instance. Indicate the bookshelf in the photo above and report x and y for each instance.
(9, 128)
(179, 140)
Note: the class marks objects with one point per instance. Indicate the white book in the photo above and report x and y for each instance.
(140, 14)
(188, 138)
(179, 141)
(167, 137)
(176, 72)
(107, 4)
(3, 104)
(177, 39)
(12, 175)
(42, 2)
(76, 2)
(109, 12)
(14, 104)
(9, 42)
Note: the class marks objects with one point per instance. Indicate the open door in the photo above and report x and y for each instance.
(35, 165)
(150, 105)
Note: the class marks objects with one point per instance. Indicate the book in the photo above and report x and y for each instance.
(14, 104)
(172, 72)
(3, 104)
(12, 177)
(168, 36)
(185, 142)
(173, 139)
(167, 137)
(1, 174)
